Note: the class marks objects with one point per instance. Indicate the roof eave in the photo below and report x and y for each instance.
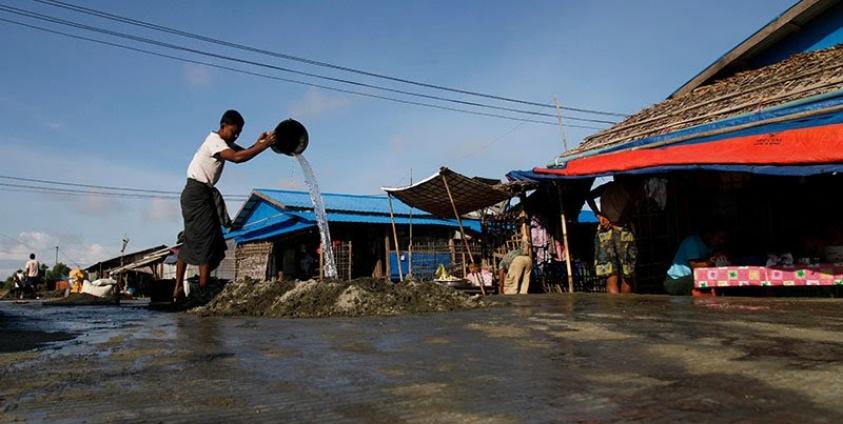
(771, 33)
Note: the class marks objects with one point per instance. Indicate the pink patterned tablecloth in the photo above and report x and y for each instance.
(743, 276)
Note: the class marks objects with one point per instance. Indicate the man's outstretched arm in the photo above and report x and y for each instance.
(266, 140)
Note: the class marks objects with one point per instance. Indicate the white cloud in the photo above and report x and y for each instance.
(15, 250)
(315, 103)
(162, 210)
(196, 75)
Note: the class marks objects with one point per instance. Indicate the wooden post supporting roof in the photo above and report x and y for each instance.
(568, 265)
(462, 232)
(395, 236)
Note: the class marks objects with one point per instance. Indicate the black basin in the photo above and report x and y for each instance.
(290, 137)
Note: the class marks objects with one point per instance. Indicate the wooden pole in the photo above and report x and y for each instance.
(395, 236)
(386, 266)
(568, 264)
(525, 227)
(561, 128)
(462, 232)
(410, 245)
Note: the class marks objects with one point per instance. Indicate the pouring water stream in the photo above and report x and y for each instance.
(321, 216)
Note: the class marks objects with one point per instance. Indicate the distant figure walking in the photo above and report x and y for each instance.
(33, 276)
(20, 281)
(202, 205)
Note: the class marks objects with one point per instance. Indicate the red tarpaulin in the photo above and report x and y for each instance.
(814, 145)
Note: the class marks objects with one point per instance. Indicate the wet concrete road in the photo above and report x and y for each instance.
(587, 358)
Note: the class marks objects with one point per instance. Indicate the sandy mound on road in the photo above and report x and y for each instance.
(80, 299)
(308, 299)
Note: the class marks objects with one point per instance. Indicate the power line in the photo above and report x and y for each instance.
(272, 77)
(60, 21)
(175, 31)
(35, 180)
(69, 259)
(56, 190)
(489, 144)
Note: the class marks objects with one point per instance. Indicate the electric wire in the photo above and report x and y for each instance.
(68, 258)
(87, 192)
(272, 77)
(35, 180)
(149, 193)
(60, 21)
(182, 33)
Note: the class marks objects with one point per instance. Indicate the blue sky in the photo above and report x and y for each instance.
(79, 112)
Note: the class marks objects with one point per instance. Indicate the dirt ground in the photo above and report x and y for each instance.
(80, 299)
(310, 299)
(541, 358)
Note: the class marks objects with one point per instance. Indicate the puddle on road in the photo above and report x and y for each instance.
(581, 358)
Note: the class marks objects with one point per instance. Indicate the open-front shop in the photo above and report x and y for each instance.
(753, 156)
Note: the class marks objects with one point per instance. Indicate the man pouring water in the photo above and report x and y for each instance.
(202, 205)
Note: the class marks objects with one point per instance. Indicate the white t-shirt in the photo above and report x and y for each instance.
(32, 268)
(205, 166)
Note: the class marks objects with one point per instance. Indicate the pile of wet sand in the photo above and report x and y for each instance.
(310, 299)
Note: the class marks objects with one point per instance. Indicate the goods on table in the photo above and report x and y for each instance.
(745, 276)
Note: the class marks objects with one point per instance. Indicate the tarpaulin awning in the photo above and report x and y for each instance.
(469, 194)
(771, 170)
(798, 148)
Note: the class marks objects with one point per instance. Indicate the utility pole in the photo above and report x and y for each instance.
(561, 128)
(57, 256)
(122, 273)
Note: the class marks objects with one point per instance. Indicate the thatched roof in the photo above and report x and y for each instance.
(798, 77)
(792, 21)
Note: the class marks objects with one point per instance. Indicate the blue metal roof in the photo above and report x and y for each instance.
(468, 224)
(271, 213)
(258, 224)
(365, 203)
(268, 232)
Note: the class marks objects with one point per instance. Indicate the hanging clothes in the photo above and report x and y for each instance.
(656, 189)
(540, 240)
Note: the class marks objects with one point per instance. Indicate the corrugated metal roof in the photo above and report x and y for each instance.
(271, 213)
(270, 232)
(469, 224)
(364, 203)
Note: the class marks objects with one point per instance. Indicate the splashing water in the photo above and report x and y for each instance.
(321, 216)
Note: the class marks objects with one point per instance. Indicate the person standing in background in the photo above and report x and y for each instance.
(33, 275)
(615, 252)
